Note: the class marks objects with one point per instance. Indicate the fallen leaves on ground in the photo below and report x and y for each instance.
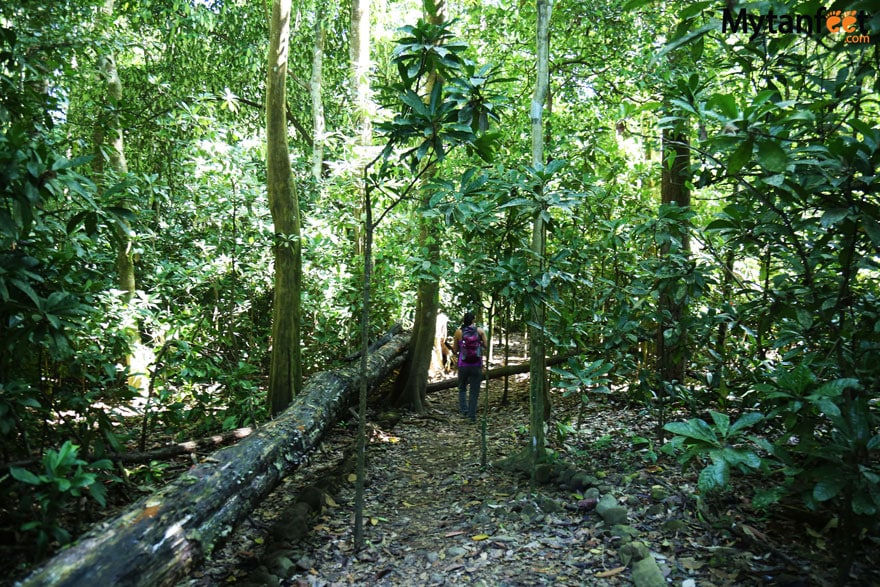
(434, 516)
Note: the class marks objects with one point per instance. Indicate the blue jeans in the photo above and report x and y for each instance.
(469, 376)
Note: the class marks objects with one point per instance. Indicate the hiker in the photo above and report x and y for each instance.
(469, 342)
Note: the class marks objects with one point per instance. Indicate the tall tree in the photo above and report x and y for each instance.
(359, 53)
(315, 90)
(537, 358)
(674, 191)
(414, 376)
(285, 372)
(111, 166)
(359, 82)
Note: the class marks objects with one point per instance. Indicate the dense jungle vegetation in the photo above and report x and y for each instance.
(680, 198)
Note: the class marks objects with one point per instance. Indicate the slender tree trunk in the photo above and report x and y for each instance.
(362, 390)
(109, 133)
(672, 351)
(359, 55)
(315, 89)
(411, 384)
(537, 351)
(285, 373)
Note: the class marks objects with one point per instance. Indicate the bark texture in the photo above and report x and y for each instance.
(414, 377)
(285, 372)
(539, 401)
(159, 539)
(672, 348)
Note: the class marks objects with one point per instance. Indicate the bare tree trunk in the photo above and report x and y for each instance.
(359, 55)
(410, 389)
(537, 351)
(285, 373)
(671, 350)
(109, 133)
(315, 89)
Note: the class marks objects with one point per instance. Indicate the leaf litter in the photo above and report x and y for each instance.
(434, 516)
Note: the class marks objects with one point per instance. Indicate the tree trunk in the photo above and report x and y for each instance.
(159, 539)
(359, 53)
(315, 90)
(672, 351)
(285, 372)
(537, 373)
(111, 126)
(412, 384)
(410, 388)
(359, 56)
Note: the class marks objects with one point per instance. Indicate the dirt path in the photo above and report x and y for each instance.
(434, 516)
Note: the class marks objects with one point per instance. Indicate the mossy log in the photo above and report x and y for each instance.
(159, 539)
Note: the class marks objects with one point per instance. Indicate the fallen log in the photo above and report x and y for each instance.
(179, 448)
(497, 372)
(160, 538)
(394, 330)
(214, 441)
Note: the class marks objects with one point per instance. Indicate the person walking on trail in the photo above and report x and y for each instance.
(469, 342)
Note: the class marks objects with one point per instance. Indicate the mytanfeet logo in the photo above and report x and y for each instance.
(850, 25)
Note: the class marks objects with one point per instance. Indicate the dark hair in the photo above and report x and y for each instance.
(468, 319)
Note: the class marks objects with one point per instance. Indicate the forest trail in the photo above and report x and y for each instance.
(434, 516)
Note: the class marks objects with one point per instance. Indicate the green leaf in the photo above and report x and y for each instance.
(772, 156)
(872, 228)
(737, 457)
(828, 488)
(693, 9)
(826, 406)
(863, 504)
(739, 158)
(833, 216)
(746, 421)
(27, 290)
(635, 5)
(24, 476)
(726, 104)
(696, 429)
(722, 422)
(684, 40)
(714, 476)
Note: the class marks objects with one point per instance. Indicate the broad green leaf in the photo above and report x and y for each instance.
(772, 156)
(696, 429)
(739, 158)
(863, 504)
(828, 488)
(714, 476)
(872, 228)
(726, 104)
(26, 289)
(693, 9)
(747, 420)
(24, 476)
(737, 457)
(826, 406)
(838, 386)
(635, 5)
(833, 216)
(722, 422)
